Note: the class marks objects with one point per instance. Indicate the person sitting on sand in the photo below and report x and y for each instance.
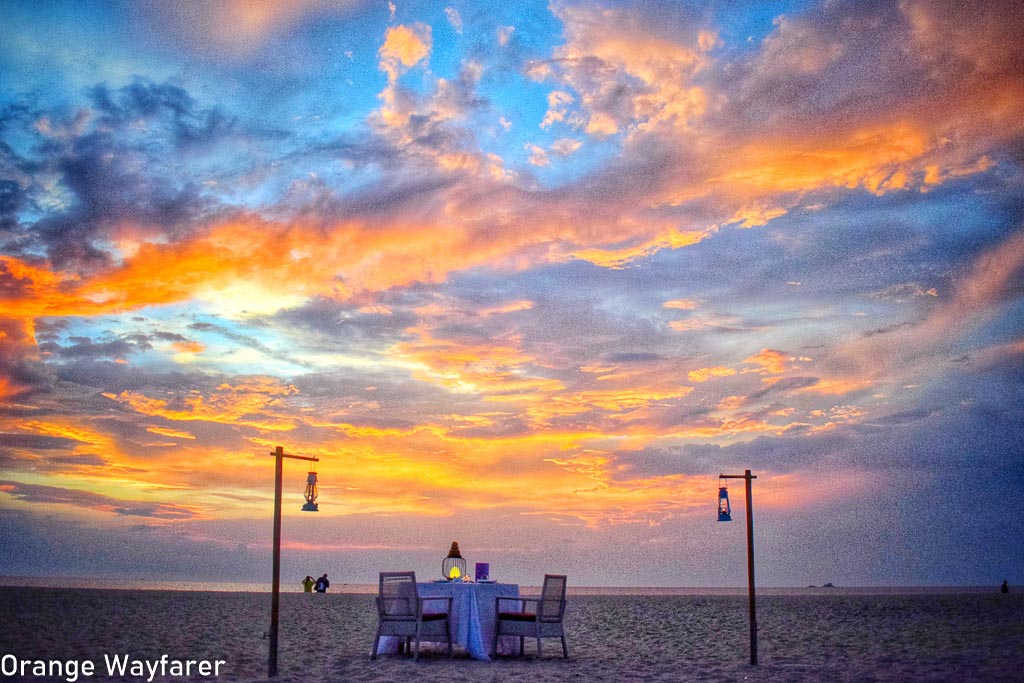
(322, 584)
(307, 584)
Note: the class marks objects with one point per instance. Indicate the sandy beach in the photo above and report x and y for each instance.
(838, 637)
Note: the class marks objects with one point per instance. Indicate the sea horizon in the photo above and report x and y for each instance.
(371, 588)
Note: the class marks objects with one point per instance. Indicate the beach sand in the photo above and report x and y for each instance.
(941, 637)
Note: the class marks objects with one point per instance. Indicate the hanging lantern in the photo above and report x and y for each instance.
(453, 567)
(310, 494)
(724, 511)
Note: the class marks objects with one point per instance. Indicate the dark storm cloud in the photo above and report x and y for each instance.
(83, 347)
(589, 312)
(188, 125)
(903, 417)
(28, 455)
(35, 463)
(103, 176)
(944, 435)
(18, 362)
(111, 161)
(834, 60)
(795, 76)
(501, 427)
(361, 150)
(149, 550)
(634, 357)
(37, 442)
(170, 336)
(782, 386)
(335, 326)
(895, 243)
(380, 398)
(107, 347)
(384, 198)
(115, 377)
(54, 495)
(50, 330)
(12, 200)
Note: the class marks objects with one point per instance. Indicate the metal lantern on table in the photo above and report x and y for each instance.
(454, 566)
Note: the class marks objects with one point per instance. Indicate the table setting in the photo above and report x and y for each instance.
(473, 599)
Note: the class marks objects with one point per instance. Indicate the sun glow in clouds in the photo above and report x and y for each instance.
(546, 271)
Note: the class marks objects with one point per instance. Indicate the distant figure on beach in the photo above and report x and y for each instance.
(307, 584)
(322, 584)
(1005, 588)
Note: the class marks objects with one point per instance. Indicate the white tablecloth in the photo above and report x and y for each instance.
(472, 616)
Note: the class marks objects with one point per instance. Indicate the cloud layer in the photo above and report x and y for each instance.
(558, 265)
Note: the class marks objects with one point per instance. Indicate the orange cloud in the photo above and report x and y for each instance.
(249, 253)
(17, 342)
(238, 265)
(681, 304)
(258, 403)
(876, 159)
(614, 400)
(538, 156)
(669, 238)
(771, 361)
(173, 433)
(655, 73)
(494, 368)
(188, 347)
(8, 388)
(403, 48)
(510, 307)
(704, 374)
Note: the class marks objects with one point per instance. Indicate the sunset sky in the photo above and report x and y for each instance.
(527, 276)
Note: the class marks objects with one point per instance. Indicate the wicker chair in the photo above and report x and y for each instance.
(400, 613)
(543, 621)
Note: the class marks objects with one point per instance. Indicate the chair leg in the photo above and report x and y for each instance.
(376, 643)
(494, 649)
(522, 647)
(448, 634)
(565, 647)
(416, 656)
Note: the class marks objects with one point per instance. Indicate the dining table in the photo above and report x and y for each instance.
(472, 616)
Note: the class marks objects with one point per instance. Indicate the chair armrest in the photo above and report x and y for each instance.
(497, 601)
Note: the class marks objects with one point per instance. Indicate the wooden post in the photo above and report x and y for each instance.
(748, 477)
(750, 570)
(275, 595)
(275, 600)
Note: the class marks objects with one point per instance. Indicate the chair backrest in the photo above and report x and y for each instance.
(398, 598)
(552, 598)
